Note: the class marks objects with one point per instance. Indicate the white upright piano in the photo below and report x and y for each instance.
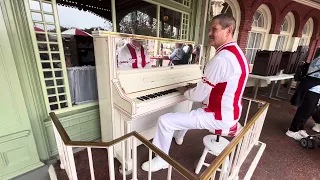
(133, 100)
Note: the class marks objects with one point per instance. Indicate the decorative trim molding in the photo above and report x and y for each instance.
(19, 36)
(309, 3)
(14, 136)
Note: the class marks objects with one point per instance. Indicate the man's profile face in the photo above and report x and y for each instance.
(217, 35)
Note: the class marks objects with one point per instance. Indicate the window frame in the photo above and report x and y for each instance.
(266, 13)
(286, 34)
(184, 9)
(306, 37)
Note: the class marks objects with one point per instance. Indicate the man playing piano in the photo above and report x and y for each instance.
(221, 91)
(133, 55)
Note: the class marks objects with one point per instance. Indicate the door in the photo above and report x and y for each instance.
(18, 153)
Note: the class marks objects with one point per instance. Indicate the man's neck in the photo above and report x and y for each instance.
(226, 42)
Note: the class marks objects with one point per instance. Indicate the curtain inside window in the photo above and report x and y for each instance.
(83, 84)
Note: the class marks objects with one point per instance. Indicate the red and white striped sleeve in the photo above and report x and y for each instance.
(217, 71)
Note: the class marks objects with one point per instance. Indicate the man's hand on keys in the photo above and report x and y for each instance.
(185, 88)
(182, 89)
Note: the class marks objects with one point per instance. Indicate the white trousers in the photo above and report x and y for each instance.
(178, 123)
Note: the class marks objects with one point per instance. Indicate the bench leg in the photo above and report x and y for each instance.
(201, 160)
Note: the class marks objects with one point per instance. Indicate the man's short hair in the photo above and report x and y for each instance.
(226, 21)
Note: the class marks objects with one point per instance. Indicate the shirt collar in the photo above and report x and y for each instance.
(135, 47)
(224, 45)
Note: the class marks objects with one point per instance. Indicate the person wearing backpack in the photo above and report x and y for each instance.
(306, 98)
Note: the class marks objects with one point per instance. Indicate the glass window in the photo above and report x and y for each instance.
(141, 20)
(284, 26)
(305, 29)
(170, 23)
(280, 45)
(226, 9)
(76, 29)
(258, 19)
(184, 2)
(253, 44)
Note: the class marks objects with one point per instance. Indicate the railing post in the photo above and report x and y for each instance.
(60, 147)
(72, 164)
(91, 163)
(134, 159)
(111, 163)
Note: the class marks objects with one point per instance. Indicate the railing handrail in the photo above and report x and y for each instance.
(66, 140)
(186, 173)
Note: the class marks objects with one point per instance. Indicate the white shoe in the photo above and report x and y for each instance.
(304, 133)
(295, 135)
(179, 141)
(316, 127)
(156, 165)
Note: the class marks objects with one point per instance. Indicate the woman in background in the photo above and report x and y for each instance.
(308, 93)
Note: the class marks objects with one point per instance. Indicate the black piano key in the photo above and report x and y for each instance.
(158, 94)
(140, 98)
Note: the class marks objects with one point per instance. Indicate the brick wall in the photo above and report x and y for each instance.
(279, 9)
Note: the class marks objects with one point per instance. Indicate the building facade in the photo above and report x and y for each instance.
(37, 60)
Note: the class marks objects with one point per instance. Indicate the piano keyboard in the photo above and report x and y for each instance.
(156, 95)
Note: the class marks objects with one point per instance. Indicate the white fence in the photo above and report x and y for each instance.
(226, 166)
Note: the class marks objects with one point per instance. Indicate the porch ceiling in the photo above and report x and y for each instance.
(102, 8)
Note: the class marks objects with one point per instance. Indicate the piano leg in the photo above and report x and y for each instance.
(145, 126)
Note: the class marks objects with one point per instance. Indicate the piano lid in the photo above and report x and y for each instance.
(137, 80)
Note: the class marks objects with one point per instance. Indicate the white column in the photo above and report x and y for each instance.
(270, 43)
(293, 44)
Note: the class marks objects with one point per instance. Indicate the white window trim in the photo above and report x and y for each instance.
(288, 34)
(266, 13)
(308, 35)
(264, 9)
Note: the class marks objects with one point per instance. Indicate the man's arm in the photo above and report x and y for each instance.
(172, 55)
(216, 72)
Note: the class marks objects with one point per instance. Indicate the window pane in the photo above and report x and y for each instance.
(251, 40)
(170, 23)
(46, 65)
(305, 29)
(47, 7)
(261, 22)
(248, 54)
(40, 37)
(42, 47)
(141, 20)
(226, 9)
(36, 16)
(285, 25)
(54, 107)
(49, 18)
(35, 5)
(258, 41)
(278, 43)
(254, 53)
(44, 56)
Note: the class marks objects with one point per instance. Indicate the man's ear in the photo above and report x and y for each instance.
(230, 29)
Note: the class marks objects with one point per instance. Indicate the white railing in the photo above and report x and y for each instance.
(226, 166)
